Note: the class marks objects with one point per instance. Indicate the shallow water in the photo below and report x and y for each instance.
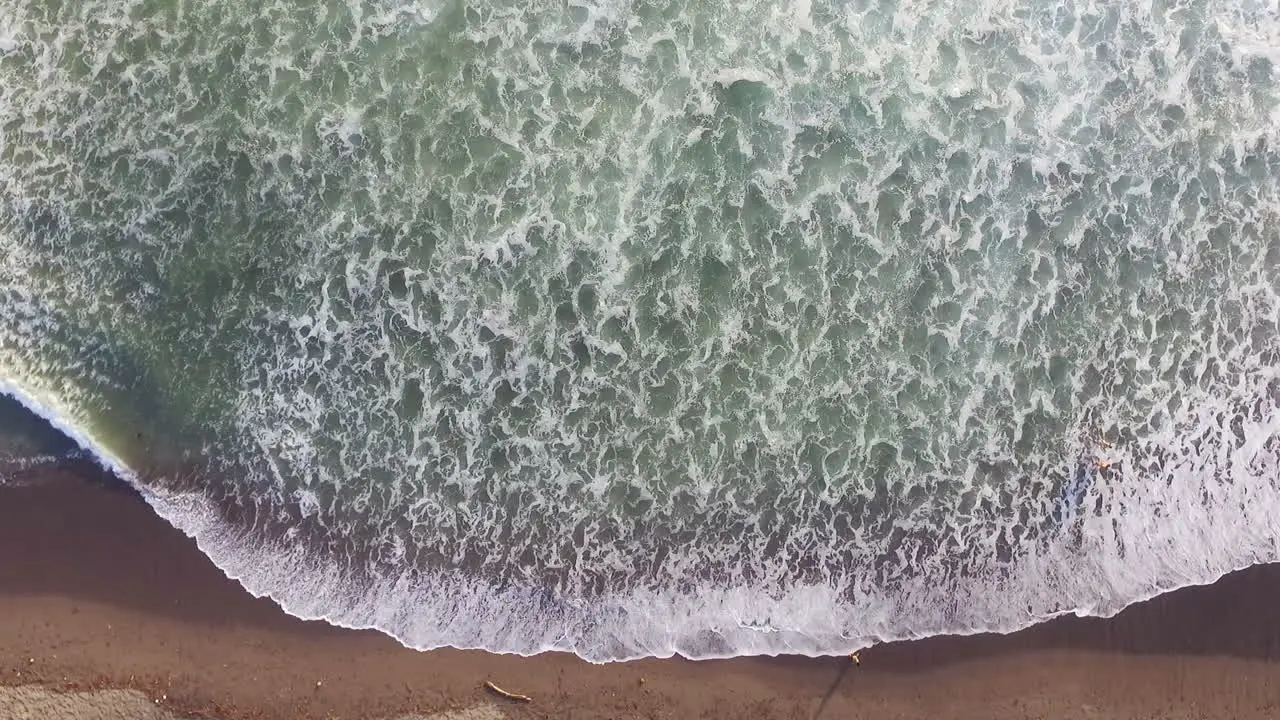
(632, 328)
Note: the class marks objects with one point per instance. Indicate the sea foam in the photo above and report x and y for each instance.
(628, 328)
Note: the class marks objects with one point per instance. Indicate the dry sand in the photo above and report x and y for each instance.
(101, 599)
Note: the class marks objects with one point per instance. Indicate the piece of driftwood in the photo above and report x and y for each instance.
(507, 693)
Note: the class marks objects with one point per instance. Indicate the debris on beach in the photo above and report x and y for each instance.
(516, 697)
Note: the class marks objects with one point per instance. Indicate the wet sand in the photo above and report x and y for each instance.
(96, 592)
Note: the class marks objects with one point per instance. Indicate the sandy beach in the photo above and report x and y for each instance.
(108, 612)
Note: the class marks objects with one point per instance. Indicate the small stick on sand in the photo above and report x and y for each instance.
(507, 694)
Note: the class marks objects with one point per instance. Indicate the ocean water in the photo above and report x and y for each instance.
(632, 327)
(29, 445)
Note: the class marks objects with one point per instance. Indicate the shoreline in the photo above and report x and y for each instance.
(92, 460)
(96, 591)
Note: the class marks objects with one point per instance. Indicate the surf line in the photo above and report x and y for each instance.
(90, 448)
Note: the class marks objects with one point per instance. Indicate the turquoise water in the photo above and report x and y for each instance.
(634, 328)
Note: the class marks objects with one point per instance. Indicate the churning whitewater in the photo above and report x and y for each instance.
(636, 327)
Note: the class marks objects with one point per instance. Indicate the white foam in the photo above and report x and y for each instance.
(570, 142)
